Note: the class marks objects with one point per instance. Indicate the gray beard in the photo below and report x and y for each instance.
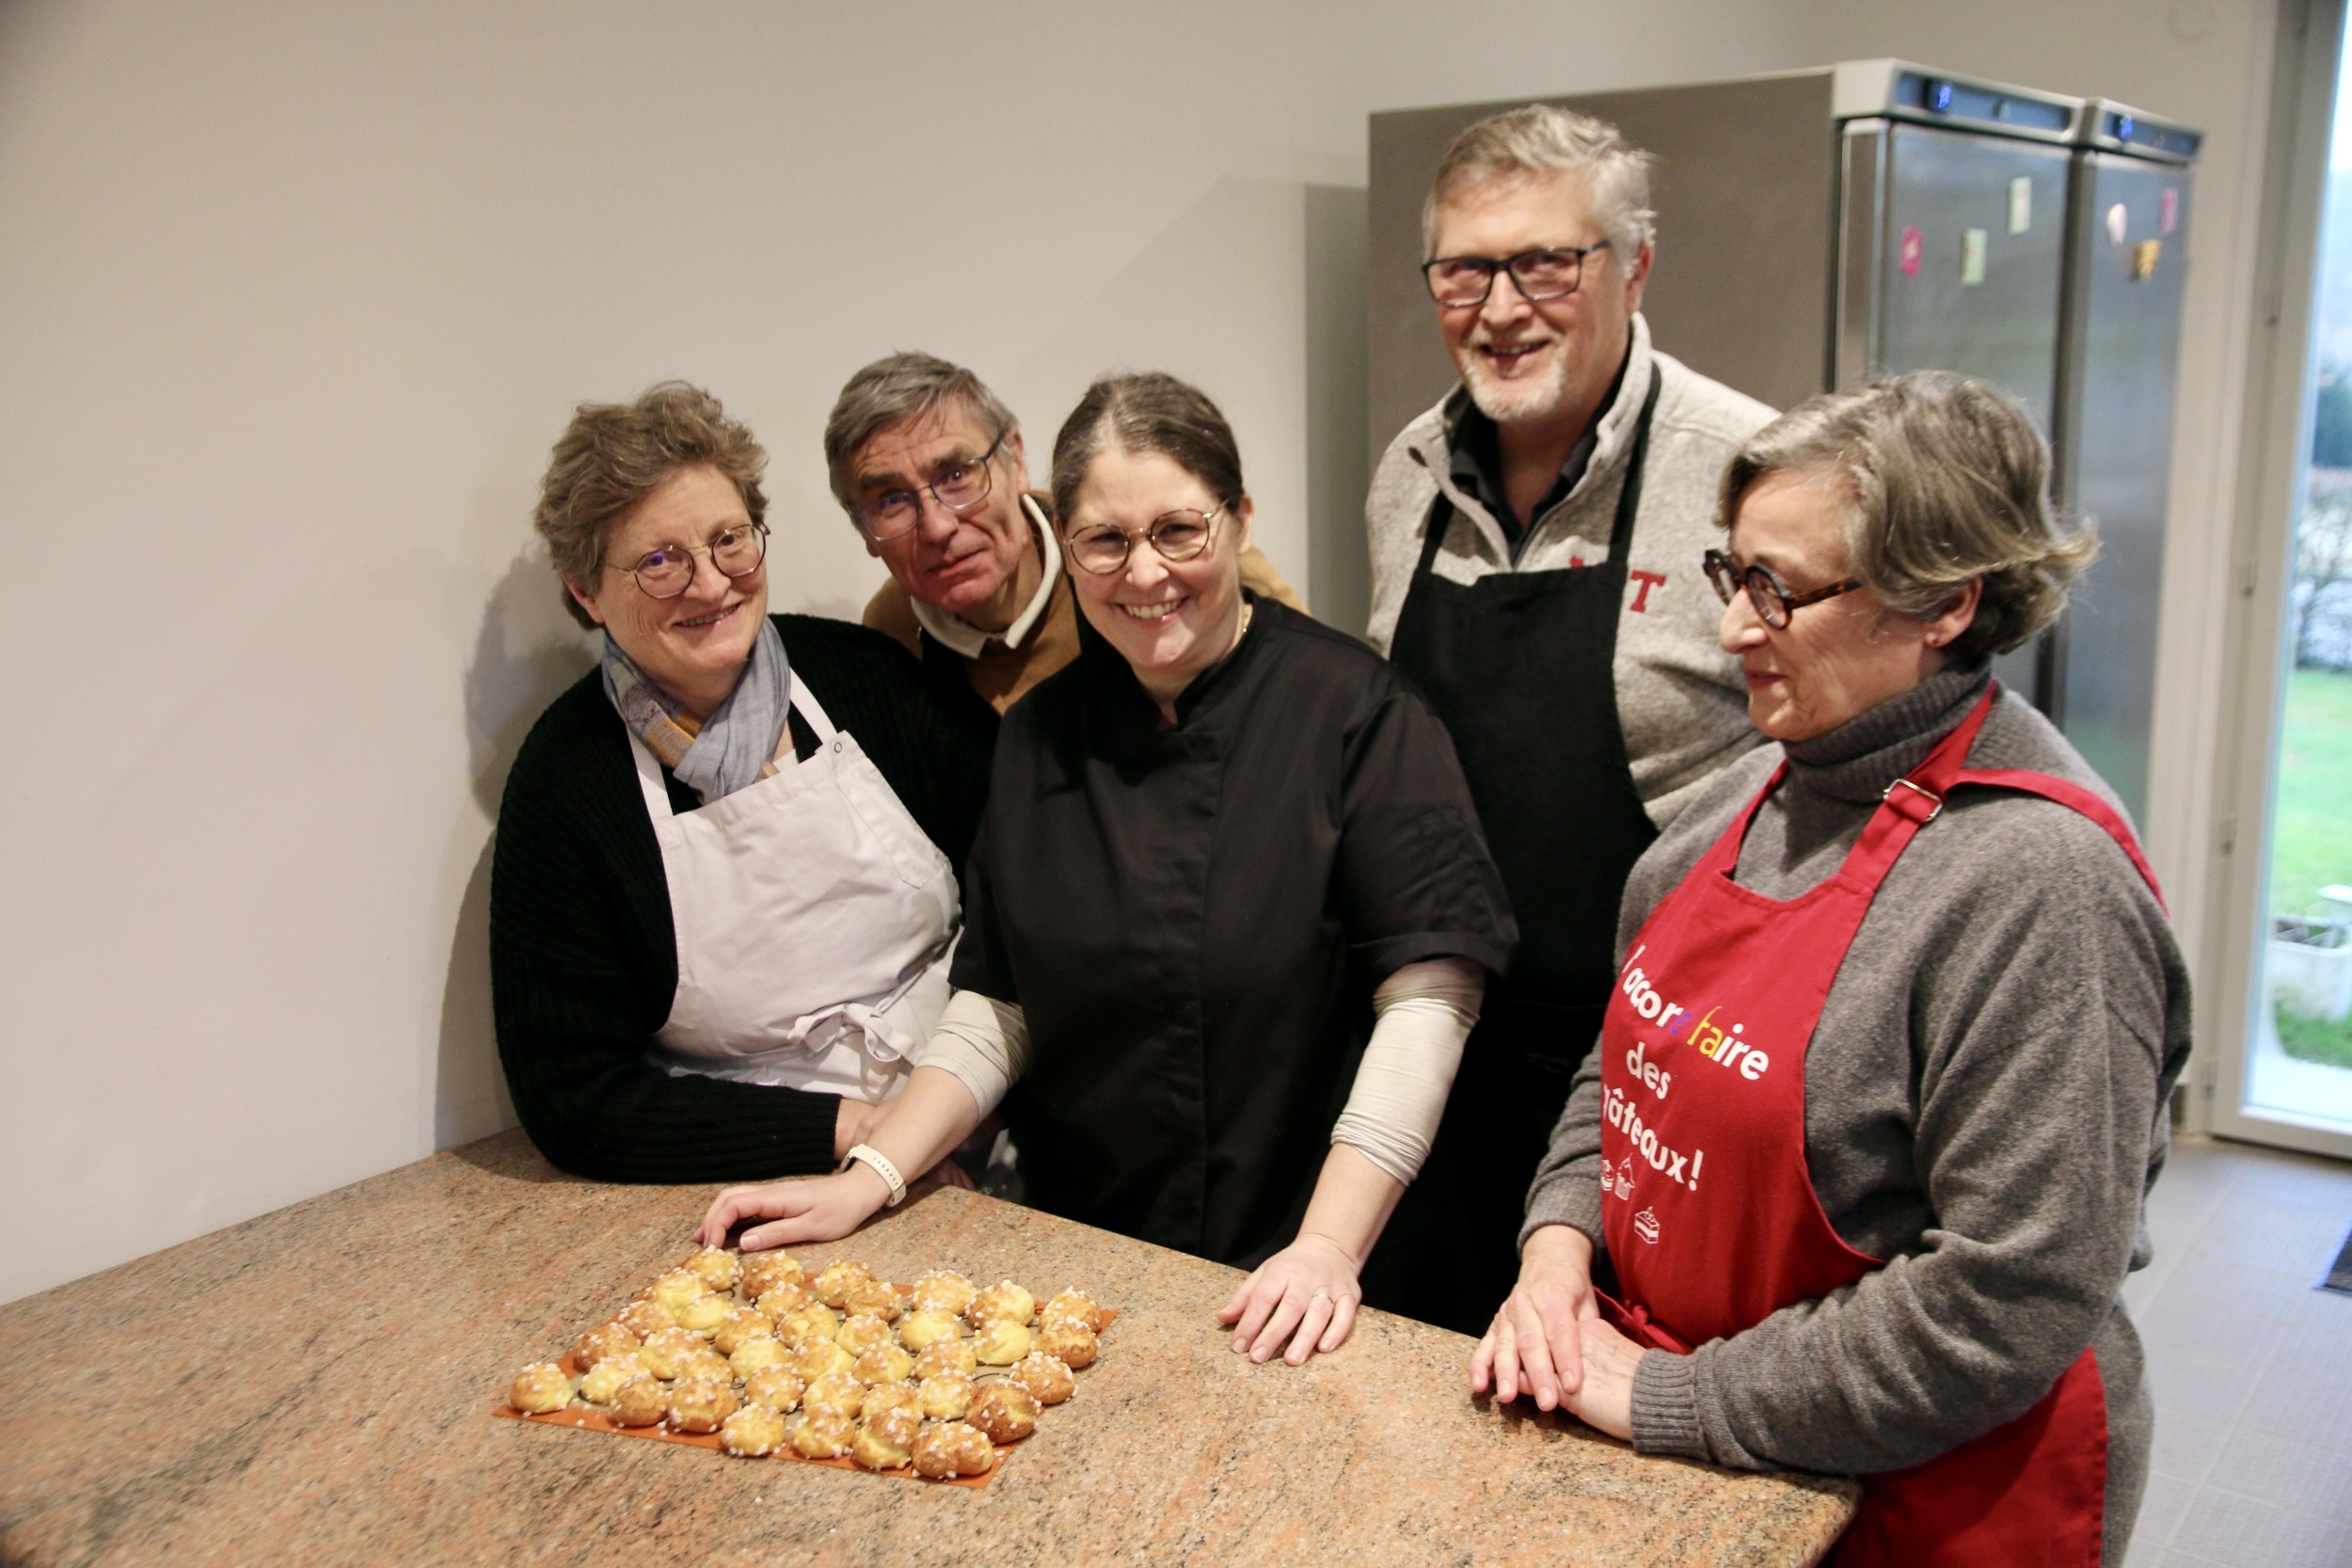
(1508, 401)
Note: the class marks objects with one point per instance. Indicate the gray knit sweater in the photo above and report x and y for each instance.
(1985, 1100)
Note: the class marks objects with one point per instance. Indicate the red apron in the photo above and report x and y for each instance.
(1707, 1206)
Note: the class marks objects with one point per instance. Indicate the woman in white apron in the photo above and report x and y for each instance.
(724, 897)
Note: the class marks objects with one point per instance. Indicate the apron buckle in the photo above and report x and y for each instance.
(1910, 805)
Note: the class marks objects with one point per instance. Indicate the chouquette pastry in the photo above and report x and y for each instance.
(835, 1282)
(896, 1426)
(1075, 1304)
(705, 1362)
(945, 1290)
(717, 1268)
(814, 1320)
(612, 1339)
(861, 1332)
(700, 1405)
(814, 1358)
(753, 1431)
(539, 1388)
(876, 1298)
(883, 1364)
(784, 1298)
(1046, 1377)
(754, 1355)
(604, 1378)
(1069, 1340)
(946, 1356)
(840, 1391)
(677, 1287)
(1001, 1342)
(947, 1450)
(821, 1435)
(665, 1350)
(704, 1313)
(946, 1396)
(1005, 1411)
(890, 1396)
(777, 1387)
(928, 1325)
(1003, 1302)
(762, 1272)
(645, 1317)
(744, 1322)
(873, 1449)
(641, 1401)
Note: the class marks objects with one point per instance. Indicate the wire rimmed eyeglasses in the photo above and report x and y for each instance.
(669, 571)
(1775, 605)
(959, 487)
(1460, 281)
(1178, 536)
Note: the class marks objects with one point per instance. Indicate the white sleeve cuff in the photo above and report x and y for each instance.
(982, 1042)
(1423, 1013)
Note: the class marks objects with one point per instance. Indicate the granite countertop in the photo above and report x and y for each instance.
(314, 1386)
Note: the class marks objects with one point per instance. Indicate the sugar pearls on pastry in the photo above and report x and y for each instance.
(890, 1396)
(677, 1287)
(884, 1363)
(873, 1449)
(1005, 1411)
(1075, 1304)
(1071, 1341)
(641, 1401)
(706, 1362)
(605, 1340)
(604, 1378)
(777, 1387)
(784, 1298)
(700, 1405)
(861, 1332)
(704, 1314)
(840, 1391)
(928, 1325)
(821, 1434)
(945, 1290)
(811, 1321)
(875, 1297)
(540, 1387)
(753, 1431)
(716, 1267)
(1001, 1342)
(835, 1282)
(947, 1450)
(665, 1350)
(762, 1272)
(757, 1354)
(946, 1396)
(645, 1318)
(896, 1426)
(1046, 1377)
(946, 1356)
(814, 1358)
(1001, 1302)
(743, 1324)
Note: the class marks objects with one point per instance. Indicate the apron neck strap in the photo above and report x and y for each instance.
(805, 701)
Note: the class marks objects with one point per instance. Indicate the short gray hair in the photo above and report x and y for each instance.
(893, 391)
(1540, 140)
(613, 456)
(1140, 413)
(1949, 483)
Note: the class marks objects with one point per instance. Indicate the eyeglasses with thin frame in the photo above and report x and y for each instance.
(1775, 605)
(1457, 282)
(669, 571)
(1176, 536)
(959, 487)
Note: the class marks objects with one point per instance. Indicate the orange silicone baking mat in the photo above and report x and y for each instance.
(588, 1419)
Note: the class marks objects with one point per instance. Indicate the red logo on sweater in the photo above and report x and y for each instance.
(1647, 581)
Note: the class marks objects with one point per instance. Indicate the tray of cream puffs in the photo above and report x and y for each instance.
(754, 1357)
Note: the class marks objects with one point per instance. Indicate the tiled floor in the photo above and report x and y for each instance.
(2250, 1366)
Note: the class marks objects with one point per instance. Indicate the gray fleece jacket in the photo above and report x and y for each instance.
(1985, 1108)
(1680, 699)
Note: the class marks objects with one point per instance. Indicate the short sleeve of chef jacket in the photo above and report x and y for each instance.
(1327, 795)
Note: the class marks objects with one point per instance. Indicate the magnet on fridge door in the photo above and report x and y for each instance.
(1971, 258)
(1915, 249)
(2144, 257)
(2118, 224)
(2021, 204)
(2169, 210)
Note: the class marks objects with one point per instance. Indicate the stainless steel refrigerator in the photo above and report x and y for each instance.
(1820, 227)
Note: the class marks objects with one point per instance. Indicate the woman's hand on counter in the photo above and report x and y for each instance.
(1604, 1399)
(1304, 1295)
(822, 1210)
(1534, 1345)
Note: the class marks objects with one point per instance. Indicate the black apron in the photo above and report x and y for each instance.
(1522, 668)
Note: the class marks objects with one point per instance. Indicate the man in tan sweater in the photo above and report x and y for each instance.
(931, 467)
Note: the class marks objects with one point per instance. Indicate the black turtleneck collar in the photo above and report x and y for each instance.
(1861, 757)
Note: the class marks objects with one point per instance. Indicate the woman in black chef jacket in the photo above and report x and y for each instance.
(1228, 920)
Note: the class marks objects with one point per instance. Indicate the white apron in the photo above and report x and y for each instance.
(815, 922)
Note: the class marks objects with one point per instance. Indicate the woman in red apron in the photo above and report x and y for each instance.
(1861, 1158)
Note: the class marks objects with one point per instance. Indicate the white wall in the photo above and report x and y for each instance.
(294, 298)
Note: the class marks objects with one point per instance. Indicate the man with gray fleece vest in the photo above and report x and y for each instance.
(1535, 540)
